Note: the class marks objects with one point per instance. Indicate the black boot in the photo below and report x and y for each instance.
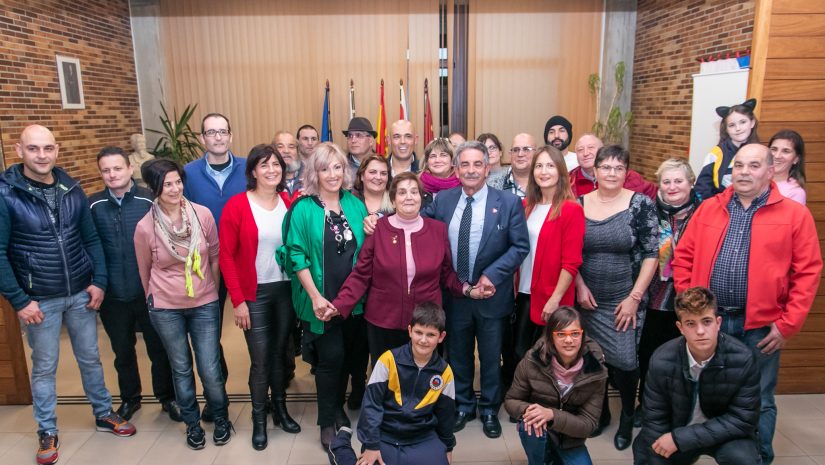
(259, 439)
(624, 435)
(281, 417)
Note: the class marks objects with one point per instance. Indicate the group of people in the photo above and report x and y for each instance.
(568, 271)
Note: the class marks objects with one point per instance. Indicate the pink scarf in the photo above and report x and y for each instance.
(434, 185)
(565, 375)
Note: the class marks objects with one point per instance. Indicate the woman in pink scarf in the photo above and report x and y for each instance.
(557, 392)
(438, 173)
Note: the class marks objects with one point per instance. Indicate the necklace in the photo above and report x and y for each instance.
(340, 230)
(599, 198)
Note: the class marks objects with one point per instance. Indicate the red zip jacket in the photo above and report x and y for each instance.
(784, 265)
(239, 247)
(633, 181)
(381, 272)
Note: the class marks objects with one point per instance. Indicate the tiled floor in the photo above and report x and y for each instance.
(800, 437)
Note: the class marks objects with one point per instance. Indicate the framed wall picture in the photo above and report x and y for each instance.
(71, 84)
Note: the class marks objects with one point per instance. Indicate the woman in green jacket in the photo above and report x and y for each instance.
(323, 235)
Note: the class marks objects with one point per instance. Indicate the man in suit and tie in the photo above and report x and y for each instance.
(488, 238)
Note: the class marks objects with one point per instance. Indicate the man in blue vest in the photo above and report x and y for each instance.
(53, 272)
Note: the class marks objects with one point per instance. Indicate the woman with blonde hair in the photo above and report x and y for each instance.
(323, 233)
(675, 204)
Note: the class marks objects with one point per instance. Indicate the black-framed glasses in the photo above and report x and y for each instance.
(215, 132)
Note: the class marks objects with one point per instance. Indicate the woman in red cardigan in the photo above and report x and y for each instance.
(555, 223)
(250, 233)
(406, 261)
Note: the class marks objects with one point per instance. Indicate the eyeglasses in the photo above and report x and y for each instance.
(215, 132)
(527, 150)
(573, 333)
(357, 135)
(619, 169)
(492, 148)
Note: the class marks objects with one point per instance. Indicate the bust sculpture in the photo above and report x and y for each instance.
(139, 156)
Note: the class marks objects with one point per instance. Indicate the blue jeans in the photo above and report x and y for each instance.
(201, 325)
(536, 450)
(44, 340)
(768, 373)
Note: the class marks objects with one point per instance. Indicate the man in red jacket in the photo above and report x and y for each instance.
(583, 177)
(759, 253)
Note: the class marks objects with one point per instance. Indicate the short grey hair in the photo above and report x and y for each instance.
(470, 145)
(676, 163)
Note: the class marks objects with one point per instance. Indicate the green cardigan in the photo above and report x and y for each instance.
(305, 249)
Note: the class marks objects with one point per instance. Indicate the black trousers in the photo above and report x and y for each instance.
(736, 452)
(272, 318)
(381, 340)
(222, 293)
(660, 327)
(357, 356)
(121, 320)
(330, 354)
(518, 338)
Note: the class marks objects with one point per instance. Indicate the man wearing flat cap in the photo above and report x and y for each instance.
(360, 141)
(558, 132)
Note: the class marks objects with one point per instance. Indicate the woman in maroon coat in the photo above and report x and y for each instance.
(406, 261)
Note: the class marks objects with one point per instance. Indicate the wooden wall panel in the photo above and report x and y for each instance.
(796, 47)
(798, 6)
(795, 68)
(798, 25)
(14, 372)
(530, 60)
(777, 110)
(264, 63)
(789, 78)
(790, 89)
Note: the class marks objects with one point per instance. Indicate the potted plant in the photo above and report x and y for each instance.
(177, 139)
(614, 129)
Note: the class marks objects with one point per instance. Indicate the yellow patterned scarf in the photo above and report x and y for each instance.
(186, 239)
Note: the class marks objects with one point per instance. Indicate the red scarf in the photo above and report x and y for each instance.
(434, 185)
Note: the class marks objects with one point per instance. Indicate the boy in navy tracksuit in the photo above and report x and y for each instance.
(409, 405)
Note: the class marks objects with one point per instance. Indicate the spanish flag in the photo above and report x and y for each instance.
(381, 142)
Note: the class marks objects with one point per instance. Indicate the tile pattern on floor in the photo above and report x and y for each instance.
(800, 439)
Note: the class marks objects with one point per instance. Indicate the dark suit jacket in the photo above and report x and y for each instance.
(504, 244)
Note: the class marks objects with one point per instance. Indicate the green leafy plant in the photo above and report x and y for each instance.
(614, 129)
(177, 139)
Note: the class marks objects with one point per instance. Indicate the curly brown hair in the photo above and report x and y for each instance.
(695, 301)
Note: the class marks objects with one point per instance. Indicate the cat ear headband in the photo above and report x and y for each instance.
(750, 104)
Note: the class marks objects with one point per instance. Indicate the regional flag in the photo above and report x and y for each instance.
(326, 128)
(403, 114)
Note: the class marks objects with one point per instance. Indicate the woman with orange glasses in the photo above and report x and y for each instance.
(557, 392)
